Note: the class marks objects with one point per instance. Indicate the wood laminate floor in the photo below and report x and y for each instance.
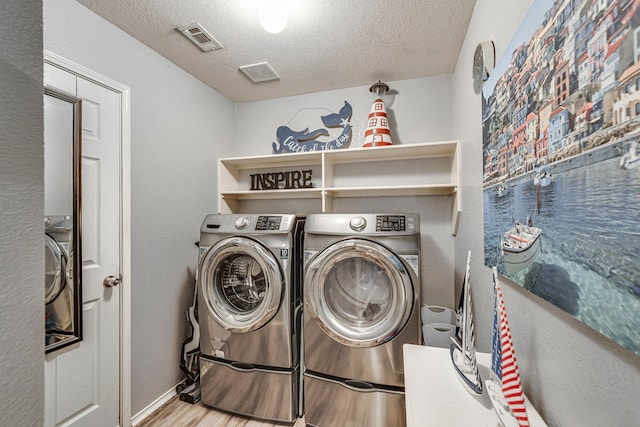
(176, 413)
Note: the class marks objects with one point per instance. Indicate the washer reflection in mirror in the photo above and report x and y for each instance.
(62, 202)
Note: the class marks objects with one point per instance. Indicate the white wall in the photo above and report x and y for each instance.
(179, 127)
(419, 110)
(574, 376)
(21, 215)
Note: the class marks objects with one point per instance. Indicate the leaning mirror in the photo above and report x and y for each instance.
(62, 240)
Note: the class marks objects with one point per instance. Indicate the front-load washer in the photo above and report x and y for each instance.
(58, 277)
(250, 314)
(361, 305)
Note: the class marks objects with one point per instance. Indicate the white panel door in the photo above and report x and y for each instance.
(82, 381)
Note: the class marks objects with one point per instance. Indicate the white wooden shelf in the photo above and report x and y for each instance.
(276, 160)
(398, 190)
(427, 169)
(394, 152)
(305, 193)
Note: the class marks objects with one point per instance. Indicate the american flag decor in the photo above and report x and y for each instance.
(503, 361)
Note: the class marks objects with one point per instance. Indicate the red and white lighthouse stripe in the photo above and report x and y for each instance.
(377, 132)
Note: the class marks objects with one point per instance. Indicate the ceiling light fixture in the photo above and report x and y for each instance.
(273, 15)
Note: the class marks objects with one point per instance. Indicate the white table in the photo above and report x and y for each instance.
(435, 397)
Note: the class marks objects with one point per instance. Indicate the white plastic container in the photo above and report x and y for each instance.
(438, 334)
(437, 314)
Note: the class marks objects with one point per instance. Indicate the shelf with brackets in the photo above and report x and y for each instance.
(318, 178)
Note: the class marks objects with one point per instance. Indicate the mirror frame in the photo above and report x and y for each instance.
(76, 245)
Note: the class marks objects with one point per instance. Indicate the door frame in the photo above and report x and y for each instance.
(125, 221)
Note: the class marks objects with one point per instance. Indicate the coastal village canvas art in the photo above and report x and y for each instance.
(561, 163)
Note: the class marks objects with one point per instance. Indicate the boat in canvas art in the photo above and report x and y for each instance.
(504, 386)
(630, 159)
(463, 349)
(519, 246)
(541, 176)
(502, 189)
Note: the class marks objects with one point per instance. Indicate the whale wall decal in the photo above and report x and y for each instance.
(292, 141)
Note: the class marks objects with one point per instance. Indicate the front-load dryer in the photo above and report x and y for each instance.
(361, 305)
(58, 278)
(250, 314)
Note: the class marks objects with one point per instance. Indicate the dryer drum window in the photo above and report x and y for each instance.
(241, 282)
(360, 292)
(55, 269)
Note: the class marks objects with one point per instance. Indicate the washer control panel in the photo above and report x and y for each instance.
(268, 222)
(358, 223)
(241, 222)
(391, 223)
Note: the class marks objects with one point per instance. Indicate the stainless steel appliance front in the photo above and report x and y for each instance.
(58, 279)
(250, 314)
(267, 394)
(361, 293)
(351, 403)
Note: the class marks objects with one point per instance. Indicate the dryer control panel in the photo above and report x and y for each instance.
(268, 222)
(225, 224)
(391, 223)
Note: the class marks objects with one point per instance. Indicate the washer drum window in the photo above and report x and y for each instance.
(359, 292)
(55, 275)
(241, 284)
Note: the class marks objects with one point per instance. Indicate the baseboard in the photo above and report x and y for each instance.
(153, 406)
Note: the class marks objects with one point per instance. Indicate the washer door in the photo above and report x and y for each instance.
(360, 293)
(55, 261)
(242, 284)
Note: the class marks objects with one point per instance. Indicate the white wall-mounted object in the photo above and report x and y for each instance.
(484, 61)
(438, 334)
(427, 169)
(437, 314)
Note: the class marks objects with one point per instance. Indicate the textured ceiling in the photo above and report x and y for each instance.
(327, 44)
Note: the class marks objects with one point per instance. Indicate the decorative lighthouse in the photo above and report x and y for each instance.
(378, 132)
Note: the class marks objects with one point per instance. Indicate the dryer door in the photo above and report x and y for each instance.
(242, 284)
(55, 266)
(360, 292)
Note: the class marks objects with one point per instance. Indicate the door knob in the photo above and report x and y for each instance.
(111, 281)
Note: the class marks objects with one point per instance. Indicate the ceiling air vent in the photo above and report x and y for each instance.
(261, 72)
(200, 37)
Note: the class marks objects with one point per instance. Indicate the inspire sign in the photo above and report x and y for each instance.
(286, 180)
